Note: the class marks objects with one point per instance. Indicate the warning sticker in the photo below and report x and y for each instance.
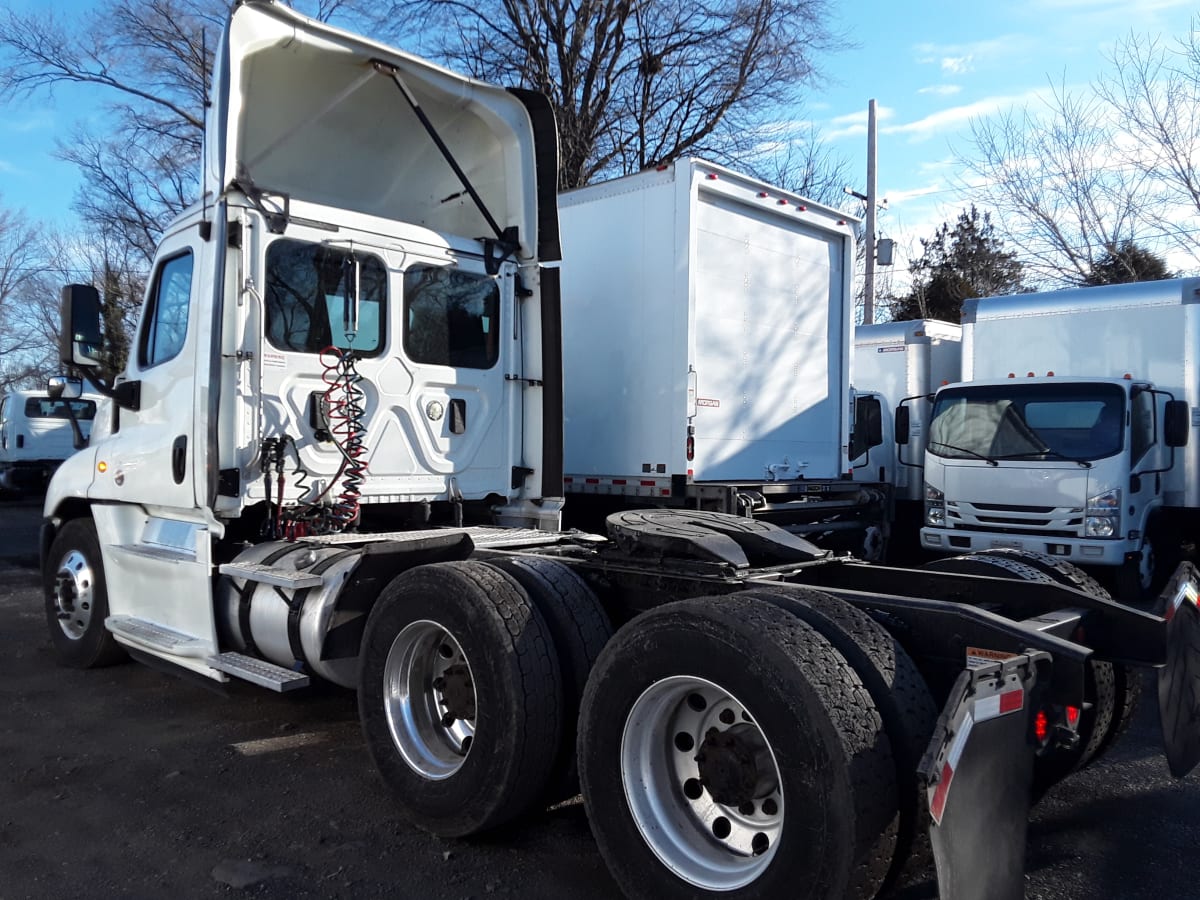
(980, 656)
(701, 401)
(272, 360)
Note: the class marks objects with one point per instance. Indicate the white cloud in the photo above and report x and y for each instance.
(957, 65)
(941, 90)
(7, 168)
(946, 119)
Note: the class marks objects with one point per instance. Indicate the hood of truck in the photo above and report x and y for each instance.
(307, 111)
(1042, 485)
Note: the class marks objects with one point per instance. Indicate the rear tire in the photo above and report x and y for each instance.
(459, 696)
(579, 629)
(902, 697)
(678, 703)
(76, 599)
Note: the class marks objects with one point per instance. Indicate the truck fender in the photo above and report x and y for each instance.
(978, 772)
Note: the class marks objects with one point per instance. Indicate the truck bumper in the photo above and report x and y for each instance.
(1082, 552)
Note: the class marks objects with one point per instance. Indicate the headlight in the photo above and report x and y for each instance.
(1103, 515)
(935, 507)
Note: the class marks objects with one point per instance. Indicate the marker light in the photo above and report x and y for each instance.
(102, 466)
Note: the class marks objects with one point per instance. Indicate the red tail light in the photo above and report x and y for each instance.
(1041, 726)
(691, 448)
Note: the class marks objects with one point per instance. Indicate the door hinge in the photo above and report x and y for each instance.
(532, 382)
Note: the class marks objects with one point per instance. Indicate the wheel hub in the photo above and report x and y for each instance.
(736, 765)
(73, 587)
(458, 692)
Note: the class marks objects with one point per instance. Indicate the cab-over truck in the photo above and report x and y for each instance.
(335, 453)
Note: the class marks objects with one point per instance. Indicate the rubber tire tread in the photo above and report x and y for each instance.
(1127, 682)
(579, 628)
(97, 647)
(803, 687)
(1100, 682)
(903, 699)
(516, 674)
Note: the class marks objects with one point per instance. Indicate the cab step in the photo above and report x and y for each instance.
(155, 637)
(284, 578)
(258, 671)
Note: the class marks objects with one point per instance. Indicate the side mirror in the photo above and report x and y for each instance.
(902, 414)
(63, 387)
(80, 336)
(868, 425)
(1176, 423)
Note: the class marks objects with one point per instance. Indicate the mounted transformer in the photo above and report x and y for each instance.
(335, 453)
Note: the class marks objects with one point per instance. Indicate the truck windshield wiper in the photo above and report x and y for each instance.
(1046, 453)
(991, 461)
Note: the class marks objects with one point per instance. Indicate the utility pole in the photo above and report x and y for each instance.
(872, 191)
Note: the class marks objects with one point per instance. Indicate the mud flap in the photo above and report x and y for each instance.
(978, 772)
(1179, 679)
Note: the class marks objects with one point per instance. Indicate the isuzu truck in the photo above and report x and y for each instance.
(1070, 433)
(336, 453)
(904, 362)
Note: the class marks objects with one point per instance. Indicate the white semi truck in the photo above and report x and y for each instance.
(349, 357)
(36, 435)
(724, 306)
(904, 362)
(1069, 436)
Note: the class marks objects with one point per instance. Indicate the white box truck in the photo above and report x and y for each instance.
(903, 361)
(706, 333)
(357, 329)
(36, 435)
(1068, 437)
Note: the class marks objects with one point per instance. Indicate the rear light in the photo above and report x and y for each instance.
(1041, 726)
(691, 448)
(1073, 716)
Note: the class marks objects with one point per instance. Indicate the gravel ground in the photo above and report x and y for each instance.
(129, 782)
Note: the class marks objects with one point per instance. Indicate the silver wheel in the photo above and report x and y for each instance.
(702, 783)
(429, 699)
(73, 594)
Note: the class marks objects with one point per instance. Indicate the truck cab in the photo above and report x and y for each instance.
(1070, 467)
(36, 436)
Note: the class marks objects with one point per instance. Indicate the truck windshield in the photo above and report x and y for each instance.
(1078, 422)
(45, 408)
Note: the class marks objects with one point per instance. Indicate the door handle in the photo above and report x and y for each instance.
(179, 458)
(458, 416)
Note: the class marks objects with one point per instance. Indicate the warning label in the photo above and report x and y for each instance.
(980, 656)
(271, 360)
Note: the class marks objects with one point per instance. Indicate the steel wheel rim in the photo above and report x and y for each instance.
(433, 740)
(74, 594)
(710, 845)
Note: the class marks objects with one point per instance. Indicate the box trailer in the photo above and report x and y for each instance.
(36, 435)
(1069, 434)
(706, 335)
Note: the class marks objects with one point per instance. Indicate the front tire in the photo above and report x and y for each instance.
(459, 696)
(76, 599)
(727, 750)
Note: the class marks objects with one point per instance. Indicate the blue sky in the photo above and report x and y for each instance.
(931, 67)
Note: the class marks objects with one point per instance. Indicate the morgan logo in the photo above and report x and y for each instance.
(701, 401)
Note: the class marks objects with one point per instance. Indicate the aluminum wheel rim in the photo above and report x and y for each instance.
(74, 597)
(708, 844)
(432, 740)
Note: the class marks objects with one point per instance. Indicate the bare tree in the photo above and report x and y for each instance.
(1049, 174)
(1154, 89)
(634, 84)
(21, 350)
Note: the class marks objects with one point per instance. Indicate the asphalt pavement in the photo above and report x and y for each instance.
(129, 782)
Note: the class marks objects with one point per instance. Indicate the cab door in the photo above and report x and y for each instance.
(150, 459)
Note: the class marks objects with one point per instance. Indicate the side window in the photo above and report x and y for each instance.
(451, 318)
(1142, 425)
(165, 328)
(310, 291)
